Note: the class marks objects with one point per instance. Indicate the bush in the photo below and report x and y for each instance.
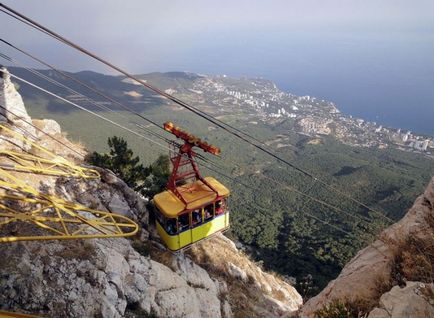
(336, 309)
(344, 309)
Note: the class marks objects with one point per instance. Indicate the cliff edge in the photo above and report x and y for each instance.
(391, 275)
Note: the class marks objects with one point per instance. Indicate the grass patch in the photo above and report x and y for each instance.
(414, 261)
(337, 309)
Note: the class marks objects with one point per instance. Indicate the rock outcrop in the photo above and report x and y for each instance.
(63, 279)
(414, 300)
(12, 108)
(103, 278)
(371, 271)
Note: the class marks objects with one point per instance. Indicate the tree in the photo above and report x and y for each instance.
(159, 172)
(121, 160)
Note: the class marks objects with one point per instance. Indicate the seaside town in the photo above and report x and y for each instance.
(259, 99)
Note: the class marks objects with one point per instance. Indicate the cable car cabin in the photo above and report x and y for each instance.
(208, 213)
(192, 208)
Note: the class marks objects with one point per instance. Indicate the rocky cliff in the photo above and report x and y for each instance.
(393, 276)
(121, 277)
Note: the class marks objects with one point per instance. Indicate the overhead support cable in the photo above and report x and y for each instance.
(241, 135)
(91, 101)
(165, 147)
(232, 130)
(205, 164)
(83, 84)
(331, 206)
(361, 219)
(264, 209)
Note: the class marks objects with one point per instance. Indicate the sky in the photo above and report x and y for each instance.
(374, 59)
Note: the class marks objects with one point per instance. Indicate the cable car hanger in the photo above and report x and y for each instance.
(184, 157)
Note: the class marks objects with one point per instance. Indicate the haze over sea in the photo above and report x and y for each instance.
(374, 59)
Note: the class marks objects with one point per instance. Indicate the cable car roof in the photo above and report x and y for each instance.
(196, 194)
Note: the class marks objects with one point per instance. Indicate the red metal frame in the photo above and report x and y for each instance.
(184, 157)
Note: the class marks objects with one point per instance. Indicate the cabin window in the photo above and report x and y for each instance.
(159, 216)
(171, 227)
(220, 207)
(184, 222)
(209, 212)
(196, 217)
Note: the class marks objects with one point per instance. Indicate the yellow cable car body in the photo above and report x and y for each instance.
(206, 213)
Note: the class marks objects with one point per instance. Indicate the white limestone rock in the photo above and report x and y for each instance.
(203, 293)
(118, 205)
(272, 296)
(177, 303)
(48, 126)
(237, 272)
(414, 300)
(194, 274)
(114, 195)
(226, 310)
(11, 100)
(100, 277)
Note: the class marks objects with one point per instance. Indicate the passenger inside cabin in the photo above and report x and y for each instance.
(209, 212)
(196, 217)
(184, 222)
(171, 226)
(219, 207)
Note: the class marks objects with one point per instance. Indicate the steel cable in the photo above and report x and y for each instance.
(238, 133)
